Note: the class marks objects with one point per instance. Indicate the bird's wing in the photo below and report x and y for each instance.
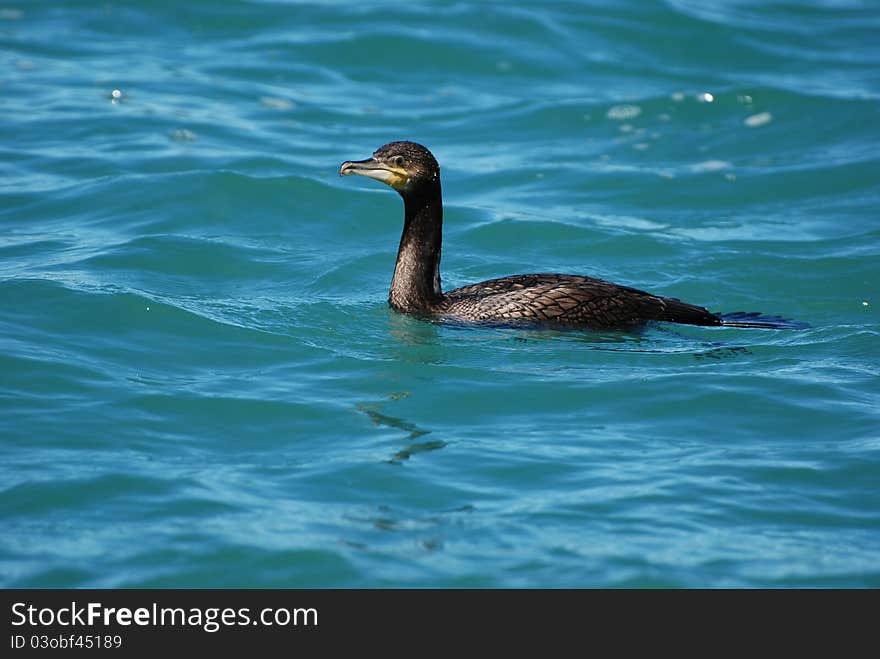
(567, 299)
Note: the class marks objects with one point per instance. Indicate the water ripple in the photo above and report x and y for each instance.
(201, 383)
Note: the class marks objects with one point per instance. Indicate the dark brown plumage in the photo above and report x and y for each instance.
(542, 299)
(568, 300)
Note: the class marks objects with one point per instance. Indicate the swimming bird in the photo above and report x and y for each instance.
(560, 300)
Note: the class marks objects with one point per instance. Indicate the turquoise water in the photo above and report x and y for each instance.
(201, 384)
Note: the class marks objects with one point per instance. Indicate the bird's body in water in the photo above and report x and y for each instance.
(531, 299)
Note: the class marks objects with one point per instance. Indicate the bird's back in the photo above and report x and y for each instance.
(565, 300)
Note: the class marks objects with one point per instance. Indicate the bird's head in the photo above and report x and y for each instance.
(407, 167)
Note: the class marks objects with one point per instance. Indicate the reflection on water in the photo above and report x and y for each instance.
(726, 352)
(420, 447)
(399, 529)
(411, 331)
(415, 341)
(413, 432)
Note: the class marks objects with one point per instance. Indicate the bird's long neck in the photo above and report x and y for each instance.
(416, 283)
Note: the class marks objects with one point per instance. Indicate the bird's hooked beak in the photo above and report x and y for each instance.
(392, 175)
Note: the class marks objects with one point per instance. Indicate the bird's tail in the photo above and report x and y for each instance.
(676, 311)
(760, 321)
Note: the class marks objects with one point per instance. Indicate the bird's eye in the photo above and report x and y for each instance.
(398, 160)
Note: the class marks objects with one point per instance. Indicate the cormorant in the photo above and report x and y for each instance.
(534, 299)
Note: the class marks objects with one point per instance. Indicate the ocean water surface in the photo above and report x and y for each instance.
(201, 384)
